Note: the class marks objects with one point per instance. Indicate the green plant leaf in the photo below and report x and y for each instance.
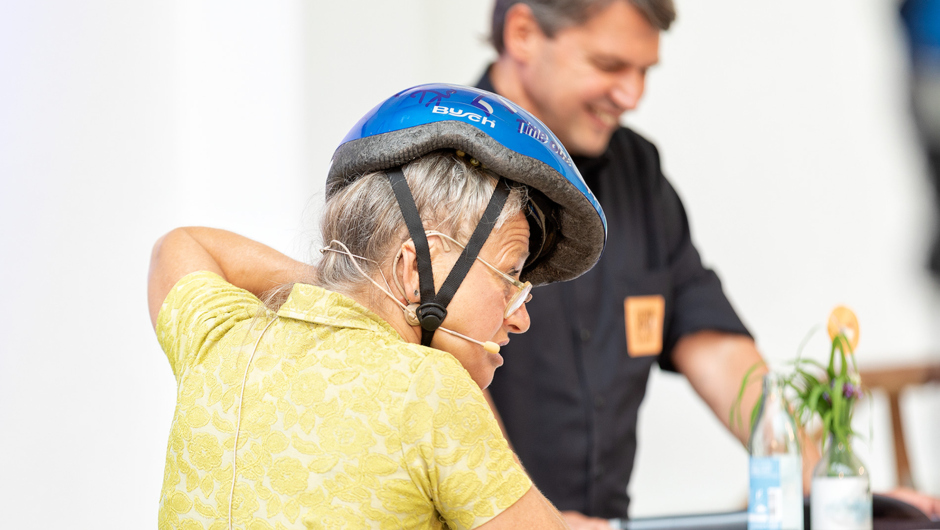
(813, 400)
(810, 381)
(755, 410)
(735, 412)
(816, 363)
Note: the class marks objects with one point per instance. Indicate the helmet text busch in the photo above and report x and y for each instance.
(482, 120)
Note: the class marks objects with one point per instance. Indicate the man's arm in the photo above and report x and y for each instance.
(715, 364)
(240, 261)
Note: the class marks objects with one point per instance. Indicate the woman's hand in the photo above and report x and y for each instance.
(240, 261)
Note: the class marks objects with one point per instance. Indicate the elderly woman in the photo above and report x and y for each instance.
(353, 399)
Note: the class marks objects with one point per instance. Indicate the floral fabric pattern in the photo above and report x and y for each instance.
(343, 425)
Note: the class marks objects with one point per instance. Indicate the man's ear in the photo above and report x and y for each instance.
(521, 33)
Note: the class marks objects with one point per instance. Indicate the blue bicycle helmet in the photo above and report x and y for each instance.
(568, 227)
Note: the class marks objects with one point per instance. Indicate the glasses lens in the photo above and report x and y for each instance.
(521, 297)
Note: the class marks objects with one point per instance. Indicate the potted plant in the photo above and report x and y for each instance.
(827, 393)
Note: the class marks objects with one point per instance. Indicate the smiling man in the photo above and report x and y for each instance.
(570, 396)
(577, 79)
(570, 393)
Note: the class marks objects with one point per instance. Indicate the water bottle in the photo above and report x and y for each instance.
(841, 497)
(775, 500)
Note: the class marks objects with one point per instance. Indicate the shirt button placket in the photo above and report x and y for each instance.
(585, 335)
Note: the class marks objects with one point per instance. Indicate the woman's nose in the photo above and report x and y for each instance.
(519, 321)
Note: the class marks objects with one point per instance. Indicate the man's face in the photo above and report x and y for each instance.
(583, 79)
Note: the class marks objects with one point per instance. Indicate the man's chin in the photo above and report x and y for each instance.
(588, 140)
(589, 147)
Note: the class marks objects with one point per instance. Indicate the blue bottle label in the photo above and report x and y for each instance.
(776, 493)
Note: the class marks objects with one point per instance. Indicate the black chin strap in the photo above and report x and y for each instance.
(433, 306)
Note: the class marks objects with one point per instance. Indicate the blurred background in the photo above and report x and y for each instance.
(785, 127)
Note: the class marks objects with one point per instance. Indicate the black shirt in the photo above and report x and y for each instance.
(569, 391)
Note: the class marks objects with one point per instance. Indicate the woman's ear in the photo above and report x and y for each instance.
(408, 272)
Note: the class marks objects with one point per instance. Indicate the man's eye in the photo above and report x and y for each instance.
(607, 66)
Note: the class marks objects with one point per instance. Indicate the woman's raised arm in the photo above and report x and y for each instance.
(241, 261)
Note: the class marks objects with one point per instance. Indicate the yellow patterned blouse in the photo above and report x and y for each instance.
(339, 423)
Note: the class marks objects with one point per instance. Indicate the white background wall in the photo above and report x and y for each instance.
(783, 126)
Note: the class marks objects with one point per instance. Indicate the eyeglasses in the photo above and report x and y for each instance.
(522, 296)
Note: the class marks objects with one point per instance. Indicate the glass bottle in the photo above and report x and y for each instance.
(775, 500)
(841, 492)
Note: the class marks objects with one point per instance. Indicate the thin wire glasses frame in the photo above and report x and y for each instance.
(522, 296)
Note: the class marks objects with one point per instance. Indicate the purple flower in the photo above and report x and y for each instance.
(851, 391)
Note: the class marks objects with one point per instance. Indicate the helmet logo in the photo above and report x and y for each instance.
(534, 131)
(437, 96)
(482, 120)
(531, 129)
(481, 103)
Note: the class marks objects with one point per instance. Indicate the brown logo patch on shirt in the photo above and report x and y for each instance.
(645, 316)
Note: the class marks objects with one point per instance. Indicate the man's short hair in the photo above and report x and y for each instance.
(554, 15)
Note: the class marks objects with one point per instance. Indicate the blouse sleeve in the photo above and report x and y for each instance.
(454, 449)
(197, 312)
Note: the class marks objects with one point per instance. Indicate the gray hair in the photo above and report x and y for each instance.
(555, 15)
(450, 193)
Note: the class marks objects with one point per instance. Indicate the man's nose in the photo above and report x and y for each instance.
(628, 89)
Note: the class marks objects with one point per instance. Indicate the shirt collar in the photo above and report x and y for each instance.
(589, 167)
(485, 82)
(319, 306)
